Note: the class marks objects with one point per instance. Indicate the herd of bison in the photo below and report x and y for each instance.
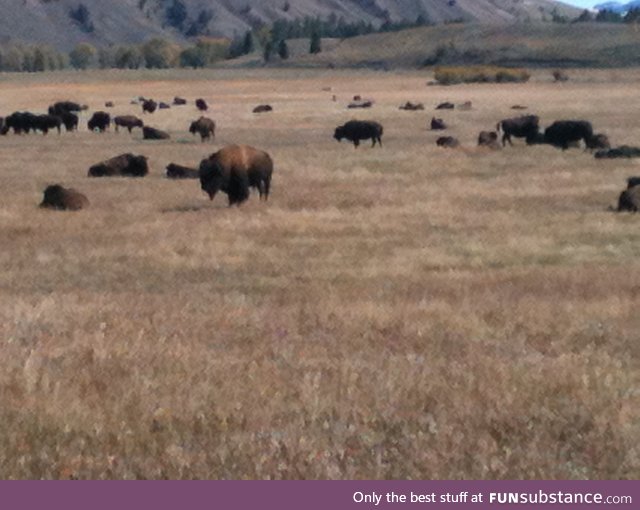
(235, 169)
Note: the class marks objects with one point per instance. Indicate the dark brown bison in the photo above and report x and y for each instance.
(70, 121)
(181, 172)
(127, 121)
(66, 199)
(445, 106)
(99, 121)
(46, 122)
(3, 127)
(163, 106)
(234, 169)
(526, 126)
(66, 107)
(598, 141)
(563, 132)
(149, 106)
(109, 104)
(437, 124)
(633, 181)
(488, 139)
(178, 101)
(356, 130)
(21, 122)
(448, 142)
(205, 127)
(624, 151)
(149, 133)
(629, 199)
(123, 165)
(263, 108)
(412, 107)
(202, 105)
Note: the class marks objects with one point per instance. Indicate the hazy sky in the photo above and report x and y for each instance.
(583, 3)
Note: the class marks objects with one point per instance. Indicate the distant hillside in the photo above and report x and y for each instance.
(532, 45)
(64, 23)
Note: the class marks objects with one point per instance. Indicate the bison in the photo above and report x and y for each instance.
(488, 139)
(233, 170)
(563, 132)
(526, 127)
(205, 127)
(598, 141)
(360, 104)
(437, 124)
(356, 130)
(46, 122)
(448, 142)
(624, 151)
(163, 106)
(149, 106)
(109, 104)
(412, 107)
(127, 121)
(445, 106)
(202, 105)
(123, 165)
(263, 108)
(65, 107)
(65, 199)
(629, 199)
(149, 133)
(21, 122)
(178, 101)
(70, 121)
(99, 121)
(175, 171)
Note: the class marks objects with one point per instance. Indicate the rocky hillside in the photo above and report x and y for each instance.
(64, 23)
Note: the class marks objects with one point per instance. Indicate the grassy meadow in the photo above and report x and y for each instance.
(403, 312)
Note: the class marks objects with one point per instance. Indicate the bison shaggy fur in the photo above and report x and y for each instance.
(205, 127)
(448, 142)
(149, 106)
(150, 133)
(564, 132)
(629, 199)
(99, 121)
(263, 108)
(437, 124)
(233, 170)
(66, 199)
(526, 126)
(356, 130)
(123, 165)
(202, 105)
(128, 121)
(175, 171)
(178, 101)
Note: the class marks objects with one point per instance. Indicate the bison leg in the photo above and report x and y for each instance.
(356, 143)
(380, 141)
(263, 188)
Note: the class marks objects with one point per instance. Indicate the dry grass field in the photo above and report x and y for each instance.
(404, 312)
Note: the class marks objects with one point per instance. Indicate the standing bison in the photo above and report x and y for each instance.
(66, 107)
(563, 133)
(124, 165)
(205, 127)
(356, 130)
(526, 127)
(233, 170)
(629, 199)
(99, 121)
(70, 121)
(437, 124)
(128, 121)
(65, 199)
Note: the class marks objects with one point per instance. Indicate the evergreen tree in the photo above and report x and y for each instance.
(248, 45)
(283, 50)
(315, 45)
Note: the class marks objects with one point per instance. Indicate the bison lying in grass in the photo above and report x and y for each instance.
(63, 199)
(150, 133)
(233, 170)
(175, 171)
(126, 165)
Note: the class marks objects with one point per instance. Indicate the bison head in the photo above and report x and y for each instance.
(339, 133)
(211, 177)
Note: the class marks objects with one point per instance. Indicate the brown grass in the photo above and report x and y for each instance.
(404, 312)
